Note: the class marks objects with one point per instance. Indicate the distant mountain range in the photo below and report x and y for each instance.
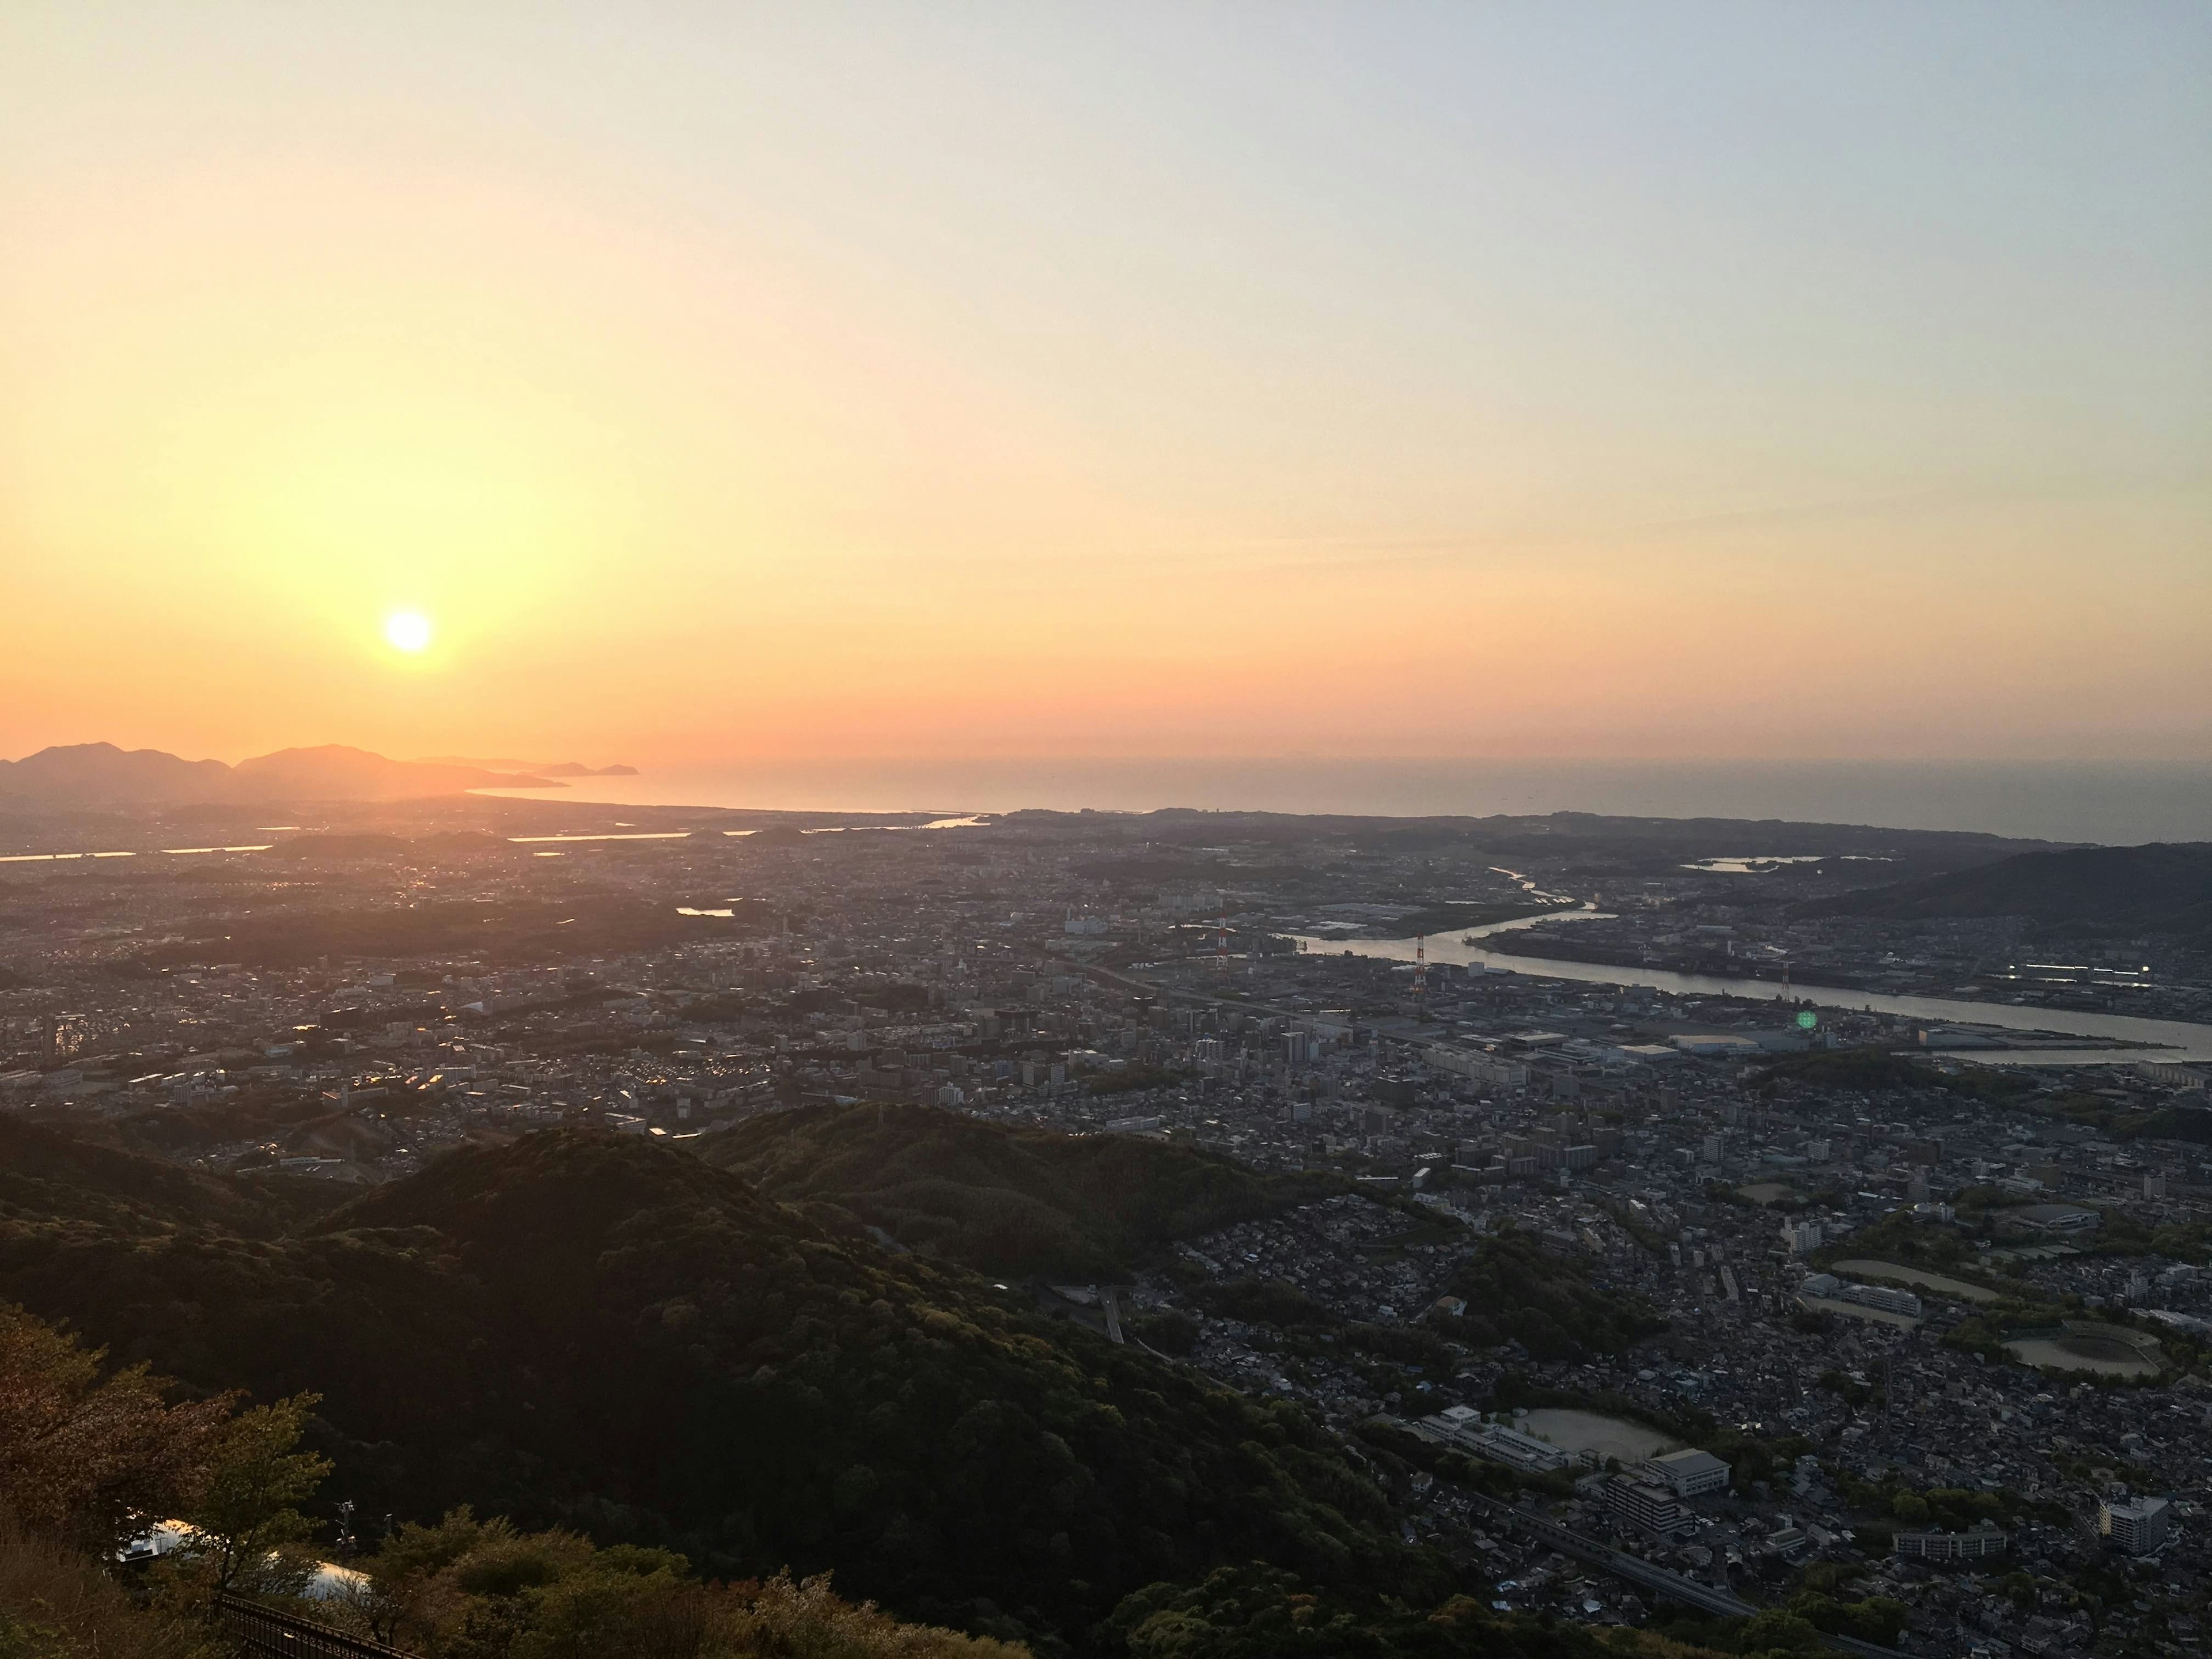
(100, 774)
(2163, 887)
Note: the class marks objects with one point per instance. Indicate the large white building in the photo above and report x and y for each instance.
(1463, 1427)
(1803, 1237)
(1690, 1472)
(1885, 1296)
(2137, 1526)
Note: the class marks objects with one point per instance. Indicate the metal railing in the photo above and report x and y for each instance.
(264, 1632)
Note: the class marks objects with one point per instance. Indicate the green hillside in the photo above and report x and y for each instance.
(603, 1333)
(998, 1199)
(46, 1174)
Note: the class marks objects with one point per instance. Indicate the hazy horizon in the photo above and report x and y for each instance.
(2108, 801)
(2113, 804)
(698, 384)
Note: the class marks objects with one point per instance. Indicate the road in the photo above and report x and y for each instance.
(1660, 1581)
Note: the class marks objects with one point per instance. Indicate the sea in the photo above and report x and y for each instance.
(2110, 803)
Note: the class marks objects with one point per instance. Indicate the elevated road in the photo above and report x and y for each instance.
(1646, 1574)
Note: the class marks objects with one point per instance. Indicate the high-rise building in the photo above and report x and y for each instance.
(2136, 1526)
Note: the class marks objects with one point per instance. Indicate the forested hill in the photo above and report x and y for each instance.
(1001, 1198)
(44, 1174)
(604, 1332)
(2162, 888)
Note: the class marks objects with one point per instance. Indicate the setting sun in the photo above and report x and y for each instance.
(407, 630)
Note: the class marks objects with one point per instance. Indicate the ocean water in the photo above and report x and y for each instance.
(2111, 803)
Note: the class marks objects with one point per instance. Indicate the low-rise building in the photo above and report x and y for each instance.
(1885, 1296)
(1973, 1545)
(1464, 1428)
(1689, 1473)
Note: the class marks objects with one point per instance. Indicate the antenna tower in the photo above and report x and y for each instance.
(1221, 940)
(1420, 976)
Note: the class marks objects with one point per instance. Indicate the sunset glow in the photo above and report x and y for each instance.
(1443, 386)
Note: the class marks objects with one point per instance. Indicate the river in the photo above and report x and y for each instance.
(2167, 1039)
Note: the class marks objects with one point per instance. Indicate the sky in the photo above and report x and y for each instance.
(724, 383)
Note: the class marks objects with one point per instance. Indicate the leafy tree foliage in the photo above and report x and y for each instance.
(57, 1603)
(89, 1456)
(246, 1512)
(82, 1453)
(464, 1588)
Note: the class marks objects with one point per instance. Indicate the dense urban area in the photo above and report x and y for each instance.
(1647, 1306)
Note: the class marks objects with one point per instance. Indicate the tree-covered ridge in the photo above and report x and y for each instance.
(605, 1334)
(48, 1175)
(1518, 1291)
(999, 1199)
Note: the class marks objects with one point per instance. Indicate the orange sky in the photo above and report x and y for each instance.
(1153, 382)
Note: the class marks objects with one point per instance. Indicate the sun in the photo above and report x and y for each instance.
(408, 630)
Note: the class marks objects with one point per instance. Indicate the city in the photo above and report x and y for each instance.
(1193, 829)
(1932, 1329)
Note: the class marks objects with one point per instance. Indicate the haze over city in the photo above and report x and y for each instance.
(967, 830)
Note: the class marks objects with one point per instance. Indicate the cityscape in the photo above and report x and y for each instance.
(1193, 829)
(1644, 1307)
